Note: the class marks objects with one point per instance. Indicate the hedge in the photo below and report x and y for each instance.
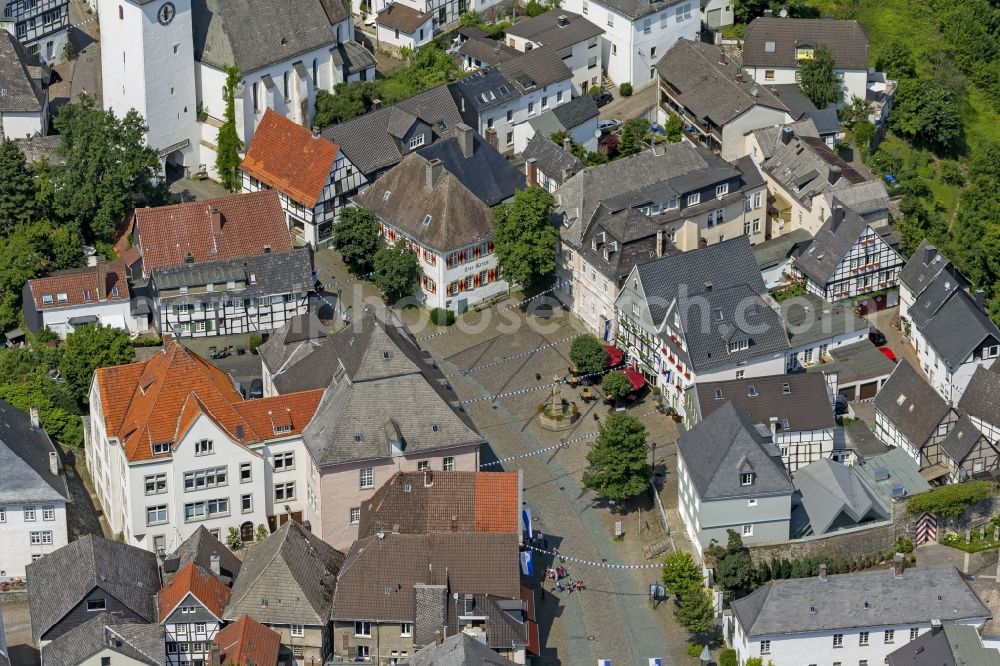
(951, 500)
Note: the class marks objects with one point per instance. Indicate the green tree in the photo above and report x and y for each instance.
(17, 188)
(348, 101)
(356, 238)
(470, 19)
(674, 128)
(107, 162)
(616, 385)
(227, 157)
(525, 239)
(728, 657)
(854, 112)
(745, 11)
(633, 135)
(260, 533)
(91, 347)
(693, 610)
(733, 565)
(681, 572)
(617, 468)
(233, 539)
(895, 58)
(534, 8)
(926, 112)
(397, 272)
(817, 80)
(588, 354)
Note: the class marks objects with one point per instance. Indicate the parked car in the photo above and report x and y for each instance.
(602, 98)
(609, 125)
(876, 336)
(256, 389)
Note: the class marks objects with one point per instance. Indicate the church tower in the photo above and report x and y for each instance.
(147, 56)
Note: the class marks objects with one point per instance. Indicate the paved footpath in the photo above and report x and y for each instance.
(612, 619)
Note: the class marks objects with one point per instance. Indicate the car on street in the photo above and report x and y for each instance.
(602, 98)
(609, 125)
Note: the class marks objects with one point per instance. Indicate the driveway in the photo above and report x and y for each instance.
(17, 624)
(83, 73)
(887, 321)
(624, 108)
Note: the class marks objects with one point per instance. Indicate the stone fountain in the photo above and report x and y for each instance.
(558, 414)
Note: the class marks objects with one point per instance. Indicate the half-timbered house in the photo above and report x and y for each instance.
(191, 606)
(981, 401)
(967, 451)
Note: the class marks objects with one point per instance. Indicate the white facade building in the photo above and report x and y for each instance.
(579, 42)
(93, 295)
(24, 106)
(33, 493)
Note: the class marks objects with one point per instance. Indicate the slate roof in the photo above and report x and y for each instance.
(962, 437)
(935, 294)
(142, 643)
(948, 645)
(460, 649)
(576, 111)
(557, 28)
(60, 580)
(465, 562)
(299, 355)
(199, 548)
(23, 91)
(551, 159)
(249, 222)
(486, 173)
(959, 328)
(724, 445)
(252, 35)
(847, 41)
(247, 642)
(806, 405)
(452, 502)
(372, 349)
(403, 18)
(708, 88)
(290, 158)
(487, 51)
(925, 264)
(402, 199)
(834, 495)
(636, 9)
(352, 58)
(820, 259)
(24, 457)
(102, 283)
(982, 396)
(294, 571)
(156, 400)
(535, 69)
(920, 595)
(724, 265)
(810, 318)
(864, 198)
(366, 141)
(506, 624)
(856, 362)
(910, 404)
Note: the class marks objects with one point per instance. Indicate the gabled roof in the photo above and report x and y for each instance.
(575, 112)
(724, 445)
(247, 642)
(535, 69)
(820, 259)
(299, 355)
(961, 439)
(372, 349)
(982, 396)
(455, 216)
(811, 318)
(858, 600)
(922, 267)
(636, 9)
(932, 298)
(252, 35)
(142, 643)
(21, 78)
(199, 548)
(367, 142)
(377, 581)
(959, 328)
(834, 495)
(60, 580)
(192, 580)
(947, 645)
(485, 172)
(799, 399)
(25, 452)
(459, 649)
(423, 502)
(771, 41)
(290, 158)
(710, 88)
(487, 51)
(246, 225)
(288, 578)
(557, 28)
(551, 159)
(81, 286)
(155, 401)
(910, 404)
(403, 18)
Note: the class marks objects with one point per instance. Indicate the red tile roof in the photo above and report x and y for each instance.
(81, 286)
(497, 498)
(247, 642)
(290, 158)
(192, 579)
(244, 226)
(157, 400)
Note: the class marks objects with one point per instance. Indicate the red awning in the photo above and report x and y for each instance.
(635, 378)
(615, 356)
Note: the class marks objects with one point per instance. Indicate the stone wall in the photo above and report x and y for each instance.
(971, 518)
(13, 596)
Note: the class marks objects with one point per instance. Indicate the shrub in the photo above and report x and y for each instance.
(625, 89)
(728, 658)
(254, 342)
(950, 501)
(146, 342)
(951, 172)
(694, 650)
(442, 316)
(261, 533)
(594, 90)
(233, 539)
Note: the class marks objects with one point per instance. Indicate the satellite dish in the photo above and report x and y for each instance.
(783, 13)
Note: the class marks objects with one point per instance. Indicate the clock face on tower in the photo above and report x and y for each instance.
(166, 13)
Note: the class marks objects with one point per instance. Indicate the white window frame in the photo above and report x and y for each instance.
(362, 628)
(448, 463)
(158, 481)
(248, 468)
(284, 462)
(204, 447)
(694, 199)
(29, 514)
(748, 529)
(355, 515)
(405, 630)
(297, 630)
(722, 189)
(366, 478)
(48, 513)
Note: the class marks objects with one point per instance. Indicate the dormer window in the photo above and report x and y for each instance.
(46, 299)
(358, 438)
(738, 345)
(62, 297)
(86, 294)
(161, 448)
(386, 355)
(804, 53)
(746, 479)
(786, 389)
(752, 391)
(722, 190)
(694, 199)
(416, 141)
(718, 394)
(114, 292)
(435, 428)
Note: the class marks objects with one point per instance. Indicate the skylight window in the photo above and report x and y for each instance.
(717, 314)
(752, 391)
(901, 399)
(385, 197)
(427, 220)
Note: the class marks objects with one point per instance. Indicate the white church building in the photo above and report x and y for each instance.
(168, 60)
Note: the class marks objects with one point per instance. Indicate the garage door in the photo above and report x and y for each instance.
(847, 392)
(869, 390)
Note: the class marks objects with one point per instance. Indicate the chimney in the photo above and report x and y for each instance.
(54, 463)
(897, 565)
(786, 135)
(773, 423)
(722, 57)
(376, 104)
(563, 21)
(822, 571)
(531, 171)
(929, 253)
(216, 219)
(739, 77)
(214, 659)
(836, 217)
(708, 286)
(568, 145)
(980, 296)
(833, 175)
(214, 564)
(465, 142)
(702, 243)
(432, 171)
(35, 421)
(315, 130)
(102, 280)
(659, 243)
(438, 639)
